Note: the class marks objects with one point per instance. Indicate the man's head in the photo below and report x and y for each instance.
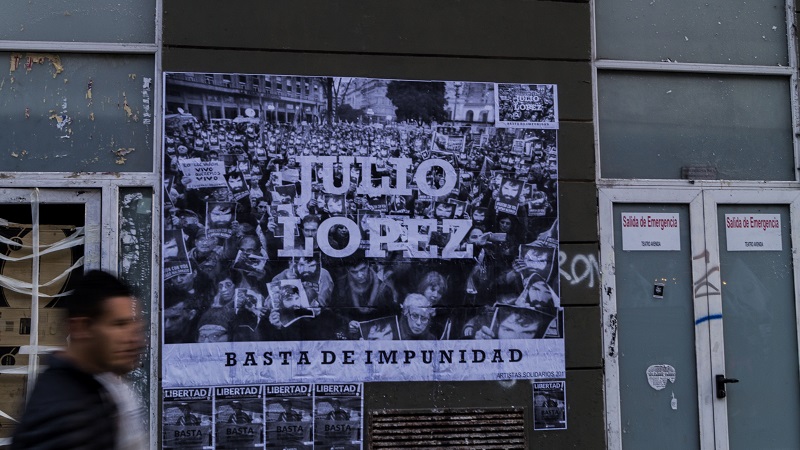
(290, 296)
(444, 210)
(359, 272)
(537, 259)
(179, 314)
(183, 281)
(171, 246)
(510, 189)
(307, 267)
(520, 324)
(105, 331)
(538, 296)
(310, 225)
(221, 215)
(236, 181)
(479, 215)
(203, 243)
(380, 331)
(249, 245)
(335, 204)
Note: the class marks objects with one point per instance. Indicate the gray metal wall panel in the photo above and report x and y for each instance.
(577, 209)
(579, 266)
(511, 29)
(583, 346)
(576, 150)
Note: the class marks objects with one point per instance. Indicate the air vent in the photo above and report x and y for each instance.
(496, 428)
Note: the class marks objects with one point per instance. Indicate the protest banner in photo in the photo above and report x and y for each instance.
(176, 261)
(343, 244)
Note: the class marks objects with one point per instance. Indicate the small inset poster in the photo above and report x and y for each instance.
(526, 106)
(186, 418)
(651, 232)
(289, 416)
(753, 232)
(338, 418)
(239, 414)
(550, 405)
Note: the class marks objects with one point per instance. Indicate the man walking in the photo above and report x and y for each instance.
(70, 408)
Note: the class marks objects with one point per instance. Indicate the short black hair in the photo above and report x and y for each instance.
(91, 291)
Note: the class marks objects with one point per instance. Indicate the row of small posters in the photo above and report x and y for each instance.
(273, 416)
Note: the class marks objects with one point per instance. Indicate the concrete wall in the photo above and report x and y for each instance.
(470, 40)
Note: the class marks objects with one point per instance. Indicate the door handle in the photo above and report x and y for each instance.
(721, 381)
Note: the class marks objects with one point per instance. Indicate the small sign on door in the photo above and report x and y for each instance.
(753, 232)
(651, 231)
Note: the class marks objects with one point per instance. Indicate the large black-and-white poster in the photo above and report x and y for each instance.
(350, 229)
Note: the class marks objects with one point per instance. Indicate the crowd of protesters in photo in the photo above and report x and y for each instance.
(226, 281)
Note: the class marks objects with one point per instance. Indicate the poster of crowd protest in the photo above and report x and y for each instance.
(354, 229)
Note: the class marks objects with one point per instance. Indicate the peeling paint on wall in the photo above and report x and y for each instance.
(121, 152)
(52, 117)
(63, 120)
(36, 58)
(127, 108)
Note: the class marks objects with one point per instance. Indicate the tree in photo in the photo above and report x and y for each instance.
(417, 100)
(347, 113)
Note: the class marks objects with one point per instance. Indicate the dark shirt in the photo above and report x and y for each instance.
(68, 409)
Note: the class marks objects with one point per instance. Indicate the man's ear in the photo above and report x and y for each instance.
(192, 314)
(79, 328)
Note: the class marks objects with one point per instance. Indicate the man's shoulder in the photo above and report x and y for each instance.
(68, 407)
(62, 380)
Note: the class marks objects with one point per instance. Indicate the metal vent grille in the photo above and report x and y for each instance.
(496, 428)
